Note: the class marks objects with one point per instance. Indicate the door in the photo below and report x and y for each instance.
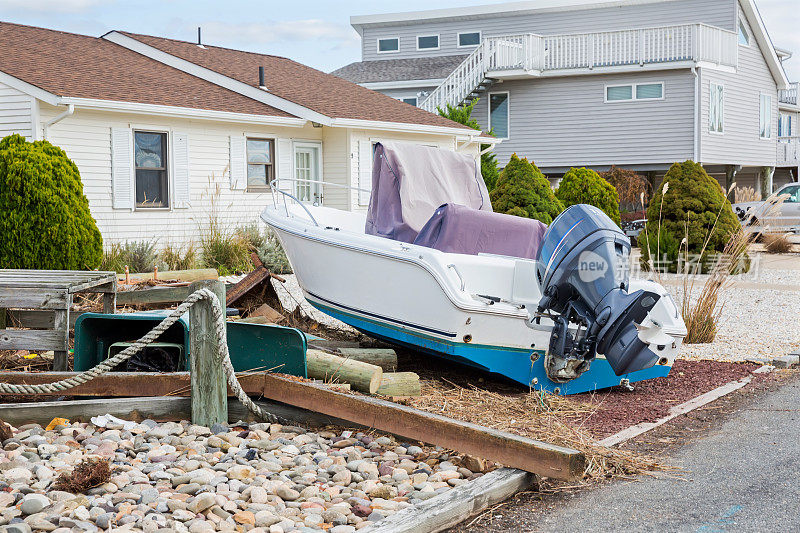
(308, 177)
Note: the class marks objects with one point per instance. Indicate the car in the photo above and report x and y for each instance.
(633, 228)
(786, 216)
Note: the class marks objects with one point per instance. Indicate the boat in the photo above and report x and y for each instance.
(432, 268)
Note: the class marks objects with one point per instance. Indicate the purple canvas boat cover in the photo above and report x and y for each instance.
(409, 182)
(458, 229)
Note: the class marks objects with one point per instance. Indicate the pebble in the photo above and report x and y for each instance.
(33, 503)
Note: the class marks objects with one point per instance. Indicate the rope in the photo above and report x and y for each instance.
(223, 358)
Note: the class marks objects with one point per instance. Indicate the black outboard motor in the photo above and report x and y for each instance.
(583, 274)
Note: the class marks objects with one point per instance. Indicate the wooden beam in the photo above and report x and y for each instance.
(196, 274)
(156, 295)
(37, 319)
(250, 281)
(208, 384)
(161, 409)
(511, 450)
(11, 297)
(33, 339)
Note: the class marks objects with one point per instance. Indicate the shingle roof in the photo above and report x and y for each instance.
(78, 66)
(417, 68)
(298, 83)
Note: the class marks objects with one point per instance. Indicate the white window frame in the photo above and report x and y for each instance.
(633, 97)
(438, 42)
(788, 118)
(378, 45)
(721, 109)
(489, 112)
(768, 117)
(257, 189)
(170, 161)
(743, 27)
(414, 96)
(458, 39)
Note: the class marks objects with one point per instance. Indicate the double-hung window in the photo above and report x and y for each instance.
(151, 168)
(260, 163)
(716, 108)
(765, 116)
(499, 115)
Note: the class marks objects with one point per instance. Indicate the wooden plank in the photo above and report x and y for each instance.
(208, 384)
(196, 274)
(16, 298)
(61, 325)
(511, 450)
(32, 339)
(156, 295)
(161, 409)
(37, 318)
(456, 505)
(251, 280)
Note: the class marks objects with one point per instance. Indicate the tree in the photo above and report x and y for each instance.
(689, 205)
(630, 186)
(585, 186)
(522, 190)
(463, 115)
(45, 220)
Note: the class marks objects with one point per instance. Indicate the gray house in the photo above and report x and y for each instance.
(633, 83)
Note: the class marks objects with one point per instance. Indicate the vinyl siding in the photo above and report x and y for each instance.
(16, 112)
(564, 122)
(739, 143)
(719, 13)
(407, 93)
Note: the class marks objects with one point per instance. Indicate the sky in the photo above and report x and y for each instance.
(316, 33)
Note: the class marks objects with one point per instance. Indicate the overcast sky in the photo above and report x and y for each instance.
(316, 33)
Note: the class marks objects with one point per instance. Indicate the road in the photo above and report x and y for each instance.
(742, 476)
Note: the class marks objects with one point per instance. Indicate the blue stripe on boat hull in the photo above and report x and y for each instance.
(513, 363)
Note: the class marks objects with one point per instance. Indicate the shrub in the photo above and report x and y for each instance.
(273, 256)
(45, 221)
(463, 115)
(228, 252)
(631, 187)
(253, 235)
(777, 243)
(138, 256)
(585, 186)
(690, 205)
(522, 188)
(175, 258)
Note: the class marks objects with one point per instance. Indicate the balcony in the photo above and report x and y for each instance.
(789, 96)
(564, 54)
(788, 151)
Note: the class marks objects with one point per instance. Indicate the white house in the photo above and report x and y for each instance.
(166, 131)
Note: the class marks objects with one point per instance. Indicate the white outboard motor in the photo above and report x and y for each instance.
(582, 271)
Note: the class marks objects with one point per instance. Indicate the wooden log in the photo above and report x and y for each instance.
(208, 384)
(386, 358)
(400, 384)
(196, 274)
(331, 368)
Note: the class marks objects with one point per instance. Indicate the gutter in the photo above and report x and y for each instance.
(68, 113)
(697, 114)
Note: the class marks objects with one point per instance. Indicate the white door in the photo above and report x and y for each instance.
(307, 173)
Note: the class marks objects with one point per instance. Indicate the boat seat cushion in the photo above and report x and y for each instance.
(459, 229)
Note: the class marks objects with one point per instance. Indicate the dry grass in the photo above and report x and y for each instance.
(746, 194)
(537, 415)
(88, 474)
(777, 243)
(179, 258)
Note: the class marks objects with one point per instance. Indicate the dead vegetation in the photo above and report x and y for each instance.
(777, 243)
(537, 415)
(88, 474)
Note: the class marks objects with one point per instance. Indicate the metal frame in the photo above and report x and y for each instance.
(274, 189)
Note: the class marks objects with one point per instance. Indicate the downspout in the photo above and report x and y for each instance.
(697, 105)
(70, 110)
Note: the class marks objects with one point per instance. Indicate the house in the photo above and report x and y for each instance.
(166, 132)
(633, 83)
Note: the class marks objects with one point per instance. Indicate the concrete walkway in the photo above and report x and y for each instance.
(743, 477)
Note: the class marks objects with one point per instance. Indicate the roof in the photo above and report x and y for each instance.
(78, 66)
(415, 68)
(324, 93)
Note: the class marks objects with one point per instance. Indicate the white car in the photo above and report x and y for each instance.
(785, 218)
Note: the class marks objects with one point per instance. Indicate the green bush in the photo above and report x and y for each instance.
(690, 205)
(44, 215)
(273, 256)
(522, 190)
(585, 186)
(463, 115)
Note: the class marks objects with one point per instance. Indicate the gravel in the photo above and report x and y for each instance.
(182, 478)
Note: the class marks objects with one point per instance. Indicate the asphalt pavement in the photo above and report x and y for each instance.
(742, 476)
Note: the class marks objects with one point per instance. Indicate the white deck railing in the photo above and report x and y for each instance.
(789, 96)
(788, 150)
(532, 54)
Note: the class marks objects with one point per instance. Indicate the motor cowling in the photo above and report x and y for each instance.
(582, 271)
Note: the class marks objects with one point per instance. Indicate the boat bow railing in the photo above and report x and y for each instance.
(278, 194)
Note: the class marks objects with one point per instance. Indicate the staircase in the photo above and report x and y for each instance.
(463, 85)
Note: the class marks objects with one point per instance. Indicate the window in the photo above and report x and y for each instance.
(472, 38)
(794, 194)
(428, 42)
(386, 46)
(150, 160)
(635, 91)
(260, 163)
(784, 125)
(765, 116)
(744, 37)
(716, 108)
(410, 100)
(498, 115)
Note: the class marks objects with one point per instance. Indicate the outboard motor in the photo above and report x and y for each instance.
(583, 274)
